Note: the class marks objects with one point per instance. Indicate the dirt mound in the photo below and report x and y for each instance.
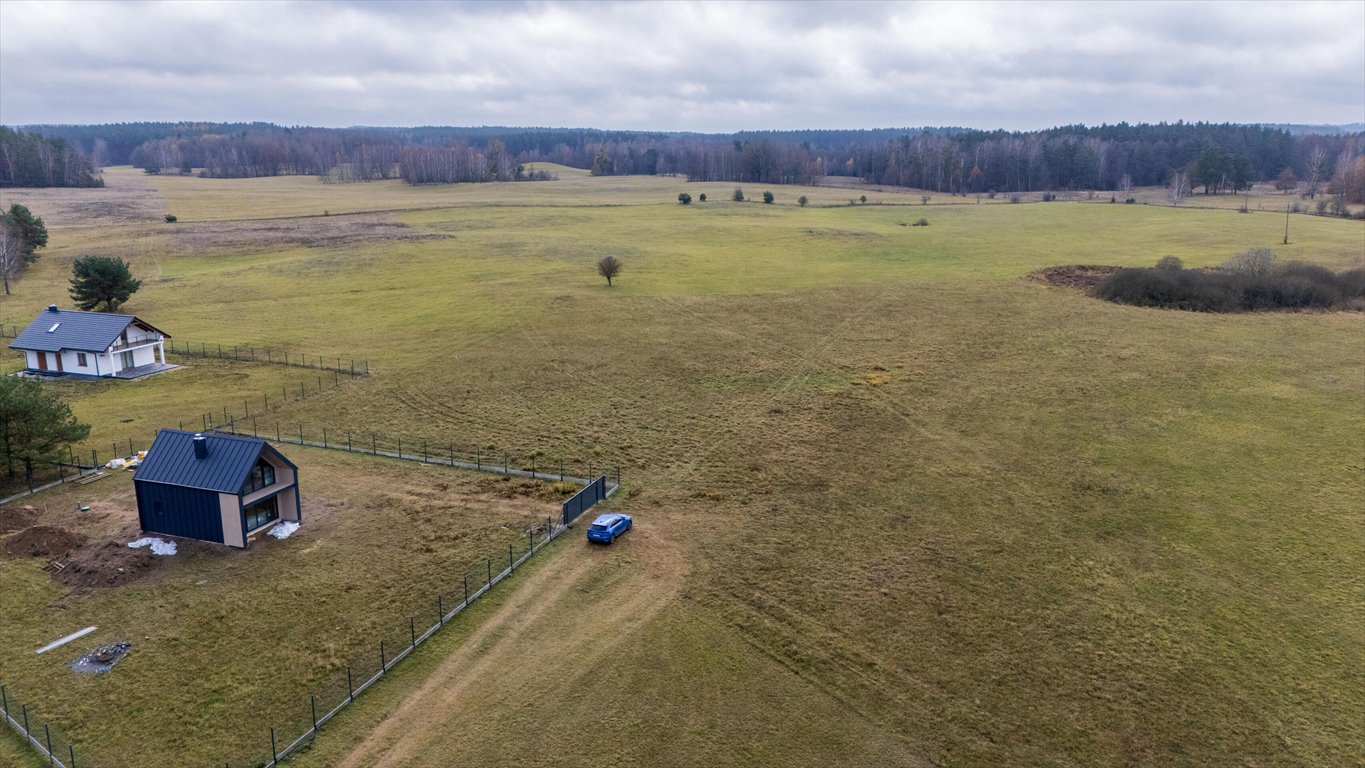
(109, 564)
(42, 541)
(1074, 275)
(16, 519)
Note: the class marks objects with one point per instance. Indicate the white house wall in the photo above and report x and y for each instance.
(71, 364)
(31, 360)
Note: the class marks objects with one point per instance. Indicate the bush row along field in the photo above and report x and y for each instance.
(879, 476)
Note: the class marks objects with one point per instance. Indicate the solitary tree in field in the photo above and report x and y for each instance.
(768, 197)
(802, 200)
(1170, 264)
(738, 195)
(684, 198)
(36, 427)
(702, 197)
(609, 267)
(1180, 186)
(1287, 181)
(101, 282)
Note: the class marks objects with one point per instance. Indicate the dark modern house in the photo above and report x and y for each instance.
(67, 342)
(215, 487)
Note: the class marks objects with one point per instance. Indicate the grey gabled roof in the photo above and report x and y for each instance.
(230, 458)
(80, 331)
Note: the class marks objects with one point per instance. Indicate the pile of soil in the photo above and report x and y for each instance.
(107, 564)
(17, 519)
(42, 541)
(1074, 275)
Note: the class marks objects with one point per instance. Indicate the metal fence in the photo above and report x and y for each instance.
(298, 729)
(50, 742)
(346, 366)
(336, 693)
(584, 500)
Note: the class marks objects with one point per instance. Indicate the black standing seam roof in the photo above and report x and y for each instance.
(230, 459)
(79, 331)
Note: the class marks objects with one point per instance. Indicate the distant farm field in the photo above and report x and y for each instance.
(897, 503)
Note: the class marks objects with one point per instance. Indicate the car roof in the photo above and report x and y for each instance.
(607, 519)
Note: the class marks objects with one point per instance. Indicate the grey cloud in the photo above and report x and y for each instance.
(683, 66)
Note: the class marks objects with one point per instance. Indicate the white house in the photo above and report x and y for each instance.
(66, 342)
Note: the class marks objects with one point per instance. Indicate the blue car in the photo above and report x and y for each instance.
(607, 527)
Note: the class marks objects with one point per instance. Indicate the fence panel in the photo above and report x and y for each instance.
(585, 499)
(35, 731)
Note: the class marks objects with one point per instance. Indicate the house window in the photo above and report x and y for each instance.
(80, 359)
(262, 476)
(260, 513)
(126, 358)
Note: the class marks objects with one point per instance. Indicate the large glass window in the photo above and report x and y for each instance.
(260, 513)
(262, 476)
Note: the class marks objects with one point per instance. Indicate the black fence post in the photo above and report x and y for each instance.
(373, 443)
(424, 451)
(72, 749)
(266, 400)
(530, 540)
(400, 447)
(511, 564)
(246, 406)
(268, 355)
(383, 662)
(300, 434)
(324, 437)
(504, 462)
(478, 458)
(412, 631)
(440, 610)
(313, 704)
(466, 602)
(47, 733)
(350, 689)
(253, 427)
(348, 440)
(490, 573)
(278, 439)
(353, 368)
(452, 454)
(274, 754)
(24, 709)
(561, 470)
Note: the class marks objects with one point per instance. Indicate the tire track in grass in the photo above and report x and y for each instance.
(531, 627)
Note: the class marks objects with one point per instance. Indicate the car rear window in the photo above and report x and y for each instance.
(597, 527)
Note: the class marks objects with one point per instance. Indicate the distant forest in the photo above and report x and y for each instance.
(35, 160)
(1209, 157)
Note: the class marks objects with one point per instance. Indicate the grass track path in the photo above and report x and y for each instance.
(528, 632)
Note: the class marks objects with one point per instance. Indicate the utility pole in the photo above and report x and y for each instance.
(1286, 223)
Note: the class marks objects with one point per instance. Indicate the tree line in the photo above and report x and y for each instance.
(35, 160)
(1210, 157)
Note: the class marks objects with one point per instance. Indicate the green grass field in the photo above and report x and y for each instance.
(897, 503)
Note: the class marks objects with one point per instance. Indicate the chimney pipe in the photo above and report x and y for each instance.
(51, 307)
(201, 447)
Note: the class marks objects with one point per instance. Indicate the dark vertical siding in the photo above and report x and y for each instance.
(187, 512)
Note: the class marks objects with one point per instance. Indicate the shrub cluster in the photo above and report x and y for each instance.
(1250, 282)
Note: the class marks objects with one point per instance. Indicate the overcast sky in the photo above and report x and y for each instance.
(684, 66)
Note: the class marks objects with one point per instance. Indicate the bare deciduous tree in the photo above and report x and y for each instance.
(11, 255)
(1317, 167)
(609, 267)
(1180, 186)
